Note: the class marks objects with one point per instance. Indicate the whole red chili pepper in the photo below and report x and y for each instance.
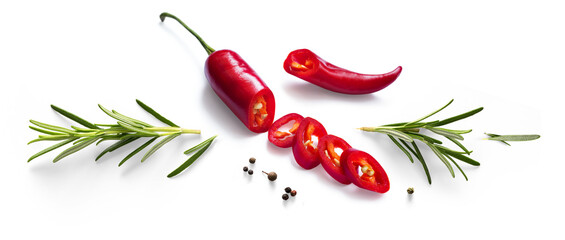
(308, 66)
(239, 87)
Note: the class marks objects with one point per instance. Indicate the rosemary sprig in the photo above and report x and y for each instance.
(405, 134)
(125, 131)
(506, 138)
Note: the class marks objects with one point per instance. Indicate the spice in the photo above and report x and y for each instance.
(410, 190)
(272, 176)
(287, 189)
(252, 160)
(293, 193)
(250, 172)
(285, 196)
(245, 169)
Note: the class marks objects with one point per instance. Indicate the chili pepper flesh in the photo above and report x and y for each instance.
(305, 148)
(364, 171)
(279, 136)
(330, 159)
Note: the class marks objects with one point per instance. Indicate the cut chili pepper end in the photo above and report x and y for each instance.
(260, 111)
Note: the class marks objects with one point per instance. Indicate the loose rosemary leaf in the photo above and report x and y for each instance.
(74, 117)
(137, 150)
(75, 148)
(193, 158)
(514, 137)
(53, 147)
(159, 145)
(155, 114)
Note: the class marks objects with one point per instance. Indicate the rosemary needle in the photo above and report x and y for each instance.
(124, 131)
(508, 138)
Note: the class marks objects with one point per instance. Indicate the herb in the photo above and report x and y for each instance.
(125, 131)
(506, 138)
(404, 134)
(201, 147)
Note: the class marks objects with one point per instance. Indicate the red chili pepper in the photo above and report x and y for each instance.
(364, 171)
(330, 159)
(305, 148)
(284, 138)
(239, 87)
(308, 66)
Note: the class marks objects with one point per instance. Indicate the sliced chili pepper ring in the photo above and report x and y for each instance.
(305, 147)
(364, 171)
(281, 137)
(330, 159)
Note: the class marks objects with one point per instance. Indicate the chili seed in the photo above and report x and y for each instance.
(250, 172)
(410, 190)
(288, 189)
(252, 160)
(245, 169)
(285, 196)
(293, 193)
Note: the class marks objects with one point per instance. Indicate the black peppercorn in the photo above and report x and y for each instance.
(250, 172)
(245, 169)
(252, 160)
(288, 189)
(285, 196)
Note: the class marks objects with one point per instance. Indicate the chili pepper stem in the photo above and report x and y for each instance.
(208, 49)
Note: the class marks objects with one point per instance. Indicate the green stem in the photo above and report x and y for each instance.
(208, 49)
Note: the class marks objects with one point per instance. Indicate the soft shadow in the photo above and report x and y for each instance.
(223, 116)
(308, 91)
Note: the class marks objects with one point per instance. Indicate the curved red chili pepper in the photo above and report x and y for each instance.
(364, 171)
(305, 148)
(239, 87)
(284, 138)
(330, 159)
(308, 66)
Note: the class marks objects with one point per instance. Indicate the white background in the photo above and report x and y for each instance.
(507, 56)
